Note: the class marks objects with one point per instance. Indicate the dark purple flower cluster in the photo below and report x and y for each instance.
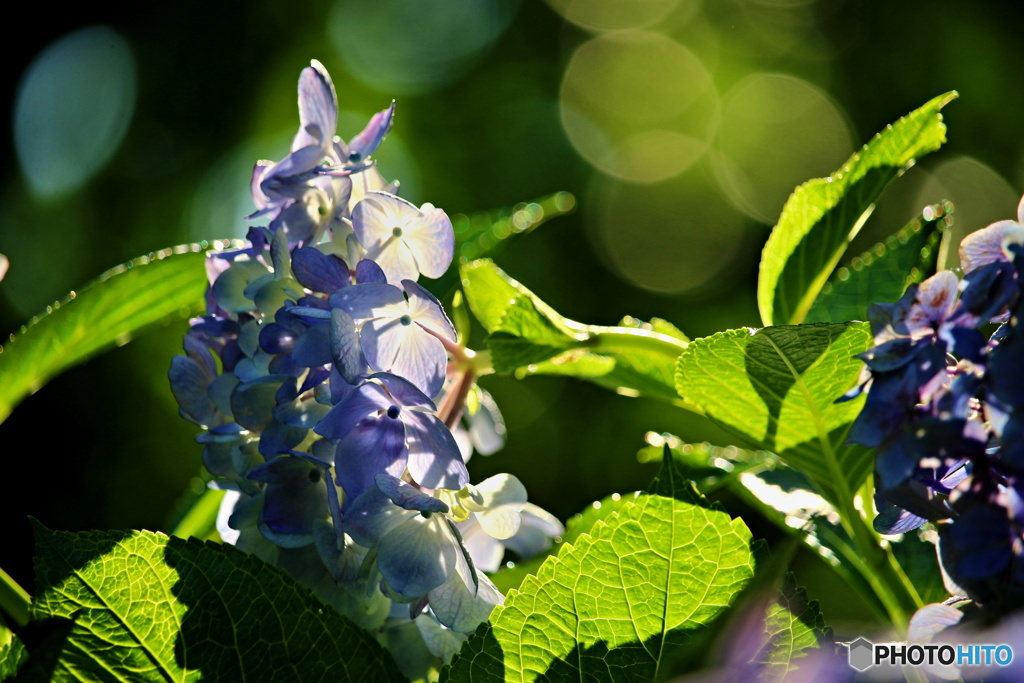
(945, 410)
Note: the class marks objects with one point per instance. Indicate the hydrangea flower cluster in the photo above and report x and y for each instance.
(330, 385)
(945, 410)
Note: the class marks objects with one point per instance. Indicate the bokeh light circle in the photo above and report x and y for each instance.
(409, 47)
(611, 15)
(979, 194)
(776, 131)
(637, 105)
(72, 109)
(677, 236)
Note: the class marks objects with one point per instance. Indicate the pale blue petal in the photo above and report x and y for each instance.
(434, 458)
(426, 310)
(431, 241)
(463, 607)
(421, 359)
(418, 556)
(371, 516)
(318, 108)
(371, 300)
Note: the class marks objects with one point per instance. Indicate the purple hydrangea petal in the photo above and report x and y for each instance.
(372, 300)
(434, 458)
(318, 271)
(314, 347)
(367, 400)
(346, 352)
(368, 271)
(370, 448)
(295, 496)
(366, 143)
(408, 497)
(985, 246)
(404, 391)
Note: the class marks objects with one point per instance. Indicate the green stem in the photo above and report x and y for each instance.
(619, 338)
(14, 600)
(201, 518)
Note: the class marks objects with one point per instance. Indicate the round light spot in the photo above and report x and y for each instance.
(72, 109)
(630, 120)
(676, 236)
(776, 132)
(610, 15)
(412, 47)
(980, 197)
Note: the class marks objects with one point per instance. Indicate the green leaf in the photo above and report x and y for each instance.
(627, 371)
(148, 607)
(919, 560)
(884, 272)
(577, 525)
(622, 601)
(12, 656)
(793, 626)
(823, 215)
(165, 286)
(486, 231)
(525, 336)
(529, 337)
(776, 388)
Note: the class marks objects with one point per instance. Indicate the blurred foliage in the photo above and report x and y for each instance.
(679, 167)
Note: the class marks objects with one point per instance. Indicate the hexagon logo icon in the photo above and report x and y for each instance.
(861, 654)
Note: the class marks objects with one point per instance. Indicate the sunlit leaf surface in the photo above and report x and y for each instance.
(822, 215)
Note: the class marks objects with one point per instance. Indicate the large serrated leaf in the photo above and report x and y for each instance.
(884, 272)
(776, 388)
(164, 286)
(623, 601)
(822, 215)
(152, 608)
(577, 525)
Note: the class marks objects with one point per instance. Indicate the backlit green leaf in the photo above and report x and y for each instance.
(776, 388)
(165, 286)
(884, 272)
(623, 601)
(822, 215)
